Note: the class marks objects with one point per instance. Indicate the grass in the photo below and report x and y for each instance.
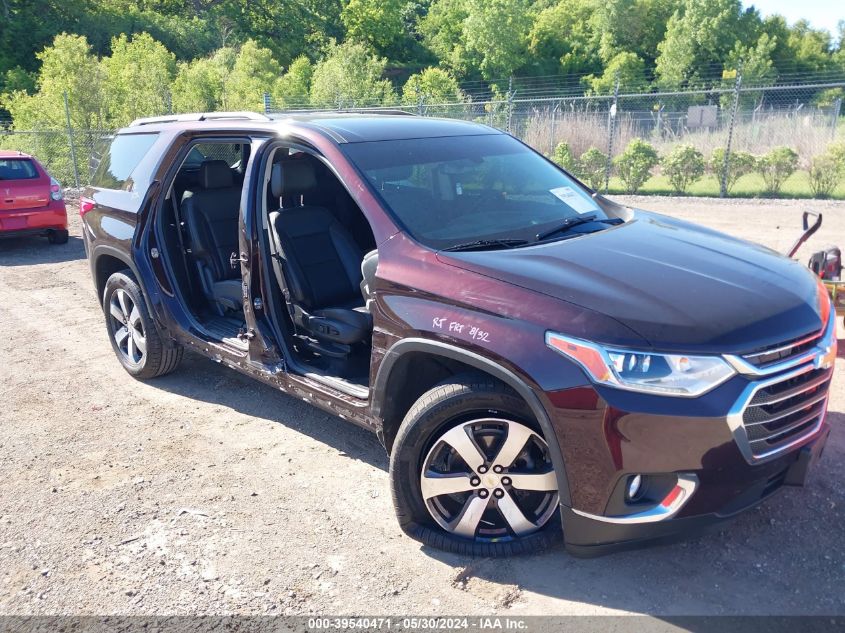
(749, 186)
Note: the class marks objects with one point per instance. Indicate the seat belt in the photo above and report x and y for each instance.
(279, 269)
(181, 237)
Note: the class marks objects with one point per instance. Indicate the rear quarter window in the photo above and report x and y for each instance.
(117, 158)
(17, 169)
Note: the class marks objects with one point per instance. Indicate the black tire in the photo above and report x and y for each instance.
(443, 407)
(57, 236)
(160, 356)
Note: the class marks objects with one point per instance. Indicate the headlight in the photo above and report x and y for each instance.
(663, 374)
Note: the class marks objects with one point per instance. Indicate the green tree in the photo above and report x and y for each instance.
(376, 23)
(561, 39)
(138, 77)
(758, 69)
(293, 89)
(699, 36)
(827, 98)
(635, 26)
(432, 86)
(628, 68)
(198, 86)
(29, 26)
(67, 66)
(350, 76)
(254, 72)
(186, 36)
(810, 48)
(442, 31)
(18, 79)
(288, 29)
(634, 165)
(495, 36)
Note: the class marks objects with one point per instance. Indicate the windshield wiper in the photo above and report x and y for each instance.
(486, 244)
(570, 223)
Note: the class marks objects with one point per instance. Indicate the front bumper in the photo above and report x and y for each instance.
(586, 537)
(709, 458)
(53, 217)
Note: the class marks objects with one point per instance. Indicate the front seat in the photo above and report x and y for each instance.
(211, 215)
(318, 264)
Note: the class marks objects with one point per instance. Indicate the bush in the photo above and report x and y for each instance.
(825, 174)
(837, 152)
(775, 167)
(564, 157)
(739, 164)
(634, 165)
(591, 167)
(683, 166)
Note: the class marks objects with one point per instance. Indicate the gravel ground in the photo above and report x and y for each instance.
(205, 492)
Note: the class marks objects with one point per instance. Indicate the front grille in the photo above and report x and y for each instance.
(779, 353)
(783, 411)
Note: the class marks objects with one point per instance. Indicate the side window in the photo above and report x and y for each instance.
(118, 158)
(232, 153)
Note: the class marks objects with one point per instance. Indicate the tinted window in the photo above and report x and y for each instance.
(119, 158)
(17, 169)
(229, 152)
(452, 190)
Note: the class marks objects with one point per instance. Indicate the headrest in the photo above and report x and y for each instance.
(292, 177)
(216, 174)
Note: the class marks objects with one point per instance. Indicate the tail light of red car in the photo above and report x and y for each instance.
(56, 190)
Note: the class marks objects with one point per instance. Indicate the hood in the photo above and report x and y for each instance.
(680, 286)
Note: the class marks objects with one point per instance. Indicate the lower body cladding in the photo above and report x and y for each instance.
(644, 468)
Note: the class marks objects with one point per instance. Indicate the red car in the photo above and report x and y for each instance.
(31, 201)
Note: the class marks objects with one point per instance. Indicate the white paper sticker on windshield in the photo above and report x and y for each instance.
(578, 202)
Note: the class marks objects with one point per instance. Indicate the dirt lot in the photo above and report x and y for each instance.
(205, 492)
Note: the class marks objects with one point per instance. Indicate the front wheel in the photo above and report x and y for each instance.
(471, 473)
(134, 336)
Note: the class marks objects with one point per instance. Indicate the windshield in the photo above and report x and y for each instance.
(454, 190)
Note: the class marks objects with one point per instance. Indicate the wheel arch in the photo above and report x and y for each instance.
(433, 361)
(105, 261)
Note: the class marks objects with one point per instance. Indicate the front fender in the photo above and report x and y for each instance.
(487, 365)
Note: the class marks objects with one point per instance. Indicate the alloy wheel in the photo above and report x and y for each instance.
(489, 479)
(127, 327)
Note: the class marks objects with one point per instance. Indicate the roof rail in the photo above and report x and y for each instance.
(199, 116)
(373, 110)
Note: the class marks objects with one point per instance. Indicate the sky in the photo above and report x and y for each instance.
(822, 14)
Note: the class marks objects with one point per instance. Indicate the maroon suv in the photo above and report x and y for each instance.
(532, 355)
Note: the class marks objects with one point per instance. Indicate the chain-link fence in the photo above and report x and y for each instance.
(734, 118)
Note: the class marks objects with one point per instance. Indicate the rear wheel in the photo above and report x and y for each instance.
(57, 236)
(134, 335)
(471, 474)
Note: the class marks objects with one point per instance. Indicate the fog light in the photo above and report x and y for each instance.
(634, 484)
